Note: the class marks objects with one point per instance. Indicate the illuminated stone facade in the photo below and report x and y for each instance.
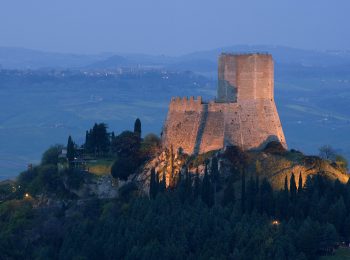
(243, 114)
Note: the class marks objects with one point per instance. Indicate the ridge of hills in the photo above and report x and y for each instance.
(199, 61)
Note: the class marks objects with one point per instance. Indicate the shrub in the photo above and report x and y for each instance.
(123, 167)
(50, 156)
(274, 147)
(150, 145)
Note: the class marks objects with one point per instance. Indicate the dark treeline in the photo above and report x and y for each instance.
(178, 223)
(313, 218)
(128, 149)
(101, 143)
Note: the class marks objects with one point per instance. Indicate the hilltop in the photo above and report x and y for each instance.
(129, 198)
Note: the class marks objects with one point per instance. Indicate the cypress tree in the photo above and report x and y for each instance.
(267, 197)
(137, 127)
(250, 195)
(293, 188)
(86, 145)
(243, 194)
(162, 186)
(188, 183)
(300, 184)
(153, 185)
(70, 149)
(286, 184)
(285, 199)
(257, 184)
(112, 138)
(229, 194)
(214, 170)
(172, 181)
(215, 175)
(197, 183)
(257, 193)
(207, 191)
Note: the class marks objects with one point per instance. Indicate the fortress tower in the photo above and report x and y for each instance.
(243, 114)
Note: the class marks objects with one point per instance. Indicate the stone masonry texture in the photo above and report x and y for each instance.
(243, 114)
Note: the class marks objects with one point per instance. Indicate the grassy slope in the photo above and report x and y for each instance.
(340, 254)
(100, 167)
(277, 166)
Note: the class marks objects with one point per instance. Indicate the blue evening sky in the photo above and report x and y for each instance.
(172, 27)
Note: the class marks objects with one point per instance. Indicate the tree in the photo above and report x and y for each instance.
(87, 144)
(243, 194)
(284, 203)
(162, 185)
(70, 149)
(97, 139)
(153, 186)
(123, 167)
(300, 184)
(172, 179)
(292, 188)
(50, 156)
(127, 144)
(251, 194)
(214, 173)
(327, 152)
(188, 183)
(207, 189)
(101, 138)
(229, 193)
(341, 161)
(266, 194)
(150, 145)
(137, 127)
(197, 185)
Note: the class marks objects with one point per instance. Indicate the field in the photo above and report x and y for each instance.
(100, 167)
(340, 254)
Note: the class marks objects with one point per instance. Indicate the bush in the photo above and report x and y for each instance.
(41, 179)
(341, 162)
(127, 191)
(123, 167)
(274, 147)
(236, 155)
(126, 144)
(150, 145)
(75, 178)
(200, 159)
(50, 156)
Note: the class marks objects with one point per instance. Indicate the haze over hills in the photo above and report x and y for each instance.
(200, 61)
(63, 94)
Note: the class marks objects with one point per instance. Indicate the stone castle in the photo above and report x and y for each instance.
(243, 114)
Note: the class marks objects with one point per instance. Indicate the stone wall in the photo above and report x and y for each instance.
(248, 76)
(244, 113)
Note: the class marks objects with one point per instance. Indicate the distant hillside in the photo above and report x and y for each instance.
(20, 58)
(281, 54)
(200, 61)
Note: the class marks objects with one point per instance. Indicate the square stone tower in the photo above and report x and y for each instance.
(245, 77)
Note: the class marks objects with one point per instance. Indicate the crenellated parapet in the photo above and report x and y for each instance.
(186, 104)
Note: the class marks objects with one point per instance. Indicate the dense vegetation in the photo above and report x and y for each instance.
(191, 220)
(127, 151)
(210, 217)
